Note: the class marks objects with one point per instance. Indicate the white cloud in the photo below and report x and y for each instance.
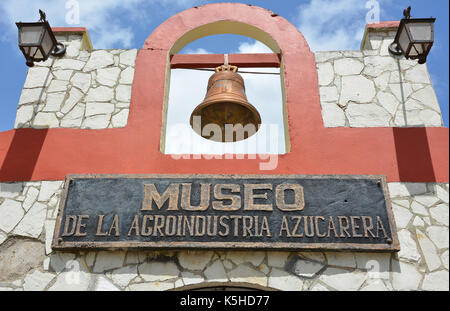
(332, 24)
(106, 20)
(197, 51)
(253, 48)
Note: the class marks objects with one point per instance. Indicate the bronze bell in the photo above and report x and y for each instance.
(225, 103)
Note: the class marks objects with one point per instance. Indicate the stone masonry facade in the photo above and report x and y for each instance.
(371, 88)
(366, 88)
(91, 89)
(84, 89)
(27, 262)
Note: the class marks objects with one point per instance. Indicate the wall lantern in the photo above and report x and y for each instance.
(37, 41)
(414, 38)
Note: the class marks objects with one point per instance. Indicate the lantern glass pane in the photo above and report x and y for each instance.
(36, 53)
(47, 43)
(420, 31)
(416, 50)
(30, 34)
(404, 40)
(39, 55)
(419, 49)
(33, 50)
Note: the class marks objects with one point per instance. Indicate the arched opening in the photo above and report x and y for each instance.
(193, 86)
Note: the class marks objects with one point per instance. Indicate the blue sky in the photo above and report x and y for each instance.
(326, 24)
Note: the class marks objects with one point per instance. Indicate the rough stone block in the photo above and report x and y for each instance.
(123, 276)
(54, 102)
(103, 284)
(358, 89)
(37, 77)
(255, 258)
(100, 94)
(37, 281)
(120, 119)
(45, 120)
(32, 223)
(333, 115)
(436, 281)
(343, 280)
(30, 96)
(48, 189)
(429, 251)
(194, 260)
(367, 115)
(58, 86)
(439, 236)
(11, 214)
(405, 277)
(123, 93)
(68, 64)
(99, 59)
(348, 66)
(108, 76)
(190, 278)
(24, 115)
(440, 214)
(397, 189)
(326, 73)
(216, 272)
(96, 122)
(128, 58)
(158, 271)
(93, 109)
(127, 76)
(18, 257)
(107, 260)
(328, 94)
(81, 81)
(282, 280)
(244, 274)
(408, 247)
(418, 74)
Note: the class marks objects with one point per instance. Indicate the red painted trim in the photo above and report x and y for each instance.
(214, 60)
(387, 24)
(69, 29)
(404, 154)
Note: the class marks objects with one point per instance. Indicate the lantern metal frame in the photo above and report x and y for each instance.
(396, 49)
(58, 49)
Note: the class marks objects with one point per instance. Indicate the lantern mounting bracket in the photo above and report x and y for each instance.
(60, 50)
(407, 13)
(43, 16)
(395, 49)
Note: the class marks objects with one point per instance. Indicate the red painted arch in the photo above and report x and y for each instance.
(402, 154)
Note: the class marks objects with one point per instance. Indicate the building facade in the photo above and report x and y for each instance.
(92, 111)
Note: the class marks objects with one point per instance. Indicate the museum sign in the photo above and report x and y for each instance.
(291, 212)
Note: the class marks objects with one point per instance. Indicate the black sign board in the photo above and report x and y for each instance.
(292, 212)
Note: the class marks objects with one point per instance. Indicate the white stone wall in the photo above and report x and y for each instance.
(367, 88)
(83, 89)
(27, 262)
(371, 88)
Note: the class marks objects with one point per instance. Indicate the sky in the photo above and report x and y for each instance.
(326, 24)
